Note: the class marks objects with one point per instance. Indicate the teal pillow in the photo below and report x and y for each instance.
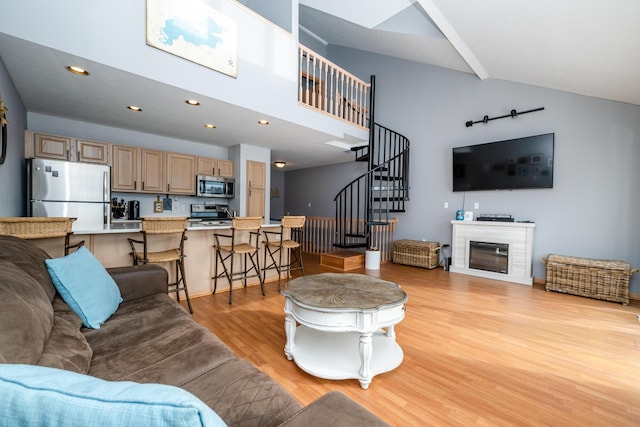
(39, 396)
(85, 285)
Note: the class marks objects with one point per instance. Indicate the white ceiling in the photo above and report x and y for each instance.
(588, 47)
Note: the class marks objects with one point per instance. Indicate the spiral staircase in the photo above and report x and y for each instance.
(371, 199)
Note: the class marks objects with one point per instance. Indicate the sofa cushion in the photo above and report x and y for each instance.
(35, 395)
(154, 339)
(86, 286)
(243, 395)
(66, 348)
(30, 258)
(26, 315)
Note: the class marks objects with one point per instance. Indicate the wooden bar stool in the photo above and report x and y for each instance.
(238, 243)
(40, 228)
(176, 226)
(275, 244)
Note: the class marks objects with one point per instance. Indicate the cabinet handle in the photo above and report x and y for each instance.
(142, 185)
(135, 185)
(168, 187)
(78, 158)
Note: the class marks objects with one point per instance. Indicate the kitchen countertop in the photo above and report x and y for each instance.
(132, 226)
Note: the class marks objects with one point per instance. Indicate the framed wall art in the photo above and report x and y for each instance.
(194, 31)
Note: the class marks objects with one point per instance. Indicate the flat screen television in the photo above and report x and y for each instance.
(511, 164)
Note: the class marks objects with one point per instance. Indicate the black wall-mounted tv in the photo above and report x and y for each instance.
(505, 165)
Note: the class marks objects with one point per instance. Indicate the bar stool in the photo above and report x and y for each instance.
(41, 228)
(176, 226)
(238, 243)
(277, 244)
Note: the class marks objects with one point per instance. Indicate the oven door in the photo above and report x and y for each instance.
(211, 186)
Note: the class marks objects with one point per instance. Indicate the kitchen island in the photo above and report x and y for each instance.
(111, 247)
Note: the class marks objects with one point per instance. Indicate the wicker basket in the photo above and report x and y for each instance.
(594, 278)
(416, 253)
(36, 227)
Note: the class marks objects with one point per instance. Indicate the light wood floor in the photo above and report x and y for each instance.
(477, 352)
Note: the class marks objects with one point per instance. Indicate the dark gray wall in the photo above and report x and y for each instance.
(589, 212)
(277, 204)
(318, 186)
(12, 190)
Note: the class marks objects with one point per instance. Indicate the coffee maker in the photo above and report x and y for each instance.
(133, 209)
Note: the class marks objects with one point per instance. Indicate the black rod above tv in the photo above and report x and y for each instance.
(520, 163)
(513, 114)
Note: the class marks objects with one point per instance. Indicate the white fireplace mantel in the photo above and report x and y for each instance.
(518, 235)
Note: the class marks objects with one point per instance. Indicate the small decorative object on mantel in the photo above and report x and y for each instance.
(3, 125)
(513, 114)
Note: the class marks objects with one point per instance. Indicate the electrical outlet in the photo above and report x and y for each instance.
(309, 205)
(476, 205)
(446, 205)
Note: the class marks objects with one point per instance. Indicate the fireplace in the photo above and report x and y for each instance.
(489, 256)
(495, 250)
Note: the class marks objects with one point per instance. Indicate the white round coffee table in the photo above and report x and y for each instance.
(346, 325)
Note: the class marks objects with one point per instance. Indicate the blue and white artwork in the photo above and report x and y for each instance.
(193, 30)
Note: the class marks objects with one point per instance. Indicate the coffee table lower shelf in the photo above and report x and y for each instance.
(336, 356)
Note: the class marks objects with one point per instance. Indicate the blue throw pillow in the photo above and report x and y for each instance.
(85, 285)
(39, 396)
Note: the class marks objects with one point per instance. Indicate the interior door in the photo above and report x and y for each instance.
(256, 183)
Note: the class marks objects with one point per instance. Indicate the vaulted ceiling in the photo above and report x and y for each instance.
(588, 47)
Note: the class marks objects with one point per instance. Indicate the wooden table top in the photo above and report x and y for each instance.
(344, 291)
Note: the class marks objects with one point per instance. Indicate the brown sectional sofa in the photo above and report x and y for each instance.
(149, 339)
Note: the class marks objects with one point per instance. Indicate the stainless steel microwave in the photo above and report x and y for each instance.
(215, 186)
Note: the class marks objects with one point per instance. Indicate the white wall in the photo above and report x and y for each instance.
(589, 212)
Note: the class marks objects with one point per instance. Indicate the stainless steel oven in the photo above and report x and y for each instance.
(215, 186)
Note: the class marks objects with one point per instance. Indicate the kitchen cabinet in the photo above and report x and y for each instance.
(215, 167)
(124, 168)
(181, 176)
(51, 146)
(152, 171)
(137, 170)
(92, 151)
(59, 147)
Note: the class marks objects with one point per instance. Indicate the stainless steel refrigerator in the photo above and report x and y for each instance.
(66, 189)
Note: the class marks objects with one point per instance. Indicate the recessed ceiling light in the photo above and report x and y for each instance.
(192, 102)
(134, 108)
(263, 122)
(77, 70)
(280, 164)
(210, 126)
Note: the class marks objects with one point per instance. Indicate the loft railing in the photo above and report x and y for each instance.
(326, 87)
(319, 235)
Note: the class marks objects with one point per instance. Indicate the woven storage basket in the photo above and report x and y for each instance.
(593, 278)
(416, 253)
(36, 227)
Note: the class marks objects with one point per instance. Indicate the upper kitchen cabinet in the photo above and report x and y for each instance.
(137, 170)
(92, 151)
(125, 169)
(152, 170)
(65, 148)
(47, 146)
(215, 167)
(181, 176)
